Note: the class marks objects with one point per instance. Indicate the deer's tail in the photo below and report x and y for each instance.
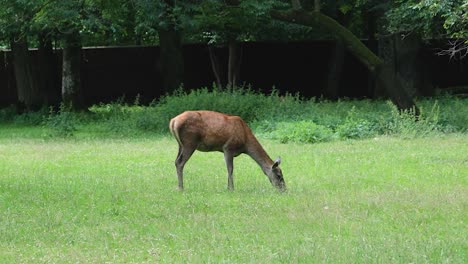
(173, 126)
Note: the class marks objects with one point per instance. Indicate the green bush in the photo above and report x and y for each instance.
(409, 125)
(237, 101)
(246, 103)
(8, 114)
(282, 117)
(61, 124)
(452, 112)
(32, 118)
(116, 117)
(355, 127)
(301, 132)
(152, 119)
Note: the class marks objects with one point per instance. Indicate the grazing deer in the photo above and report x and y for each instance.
(213, 131)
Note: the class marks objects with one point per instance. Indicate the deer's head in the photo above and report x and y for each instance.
(276, 176)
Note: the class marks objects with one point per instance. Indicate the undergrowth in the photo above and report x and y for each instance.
(286, 118)
(62, 123)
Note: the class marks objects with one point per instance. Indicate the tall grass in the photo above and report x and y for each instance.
(287, 118)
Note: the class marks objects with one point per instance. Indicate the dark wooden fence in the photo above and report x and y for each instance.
(114, 72)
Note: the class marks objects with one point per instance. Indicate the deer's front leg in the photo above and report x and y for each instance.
(229, 164)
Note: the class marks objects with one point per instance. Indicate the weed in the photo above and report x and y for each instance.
(301, 132)
(32, 118)
(8, 114)
(285, 118)
(355, 127)
(409, 125)
(61, 124)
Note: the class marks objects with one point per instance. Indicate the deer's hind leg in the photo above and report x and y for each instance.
(185, 152)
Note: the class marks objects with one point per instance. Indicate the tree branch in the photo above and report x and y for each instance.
(458, 49)
(383, 73)
(317, 19)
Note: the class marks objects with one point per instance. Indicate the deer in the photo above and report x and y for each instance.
(208, 131)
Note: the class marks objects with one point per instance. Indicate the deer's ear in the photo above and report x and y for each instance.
(277, 163)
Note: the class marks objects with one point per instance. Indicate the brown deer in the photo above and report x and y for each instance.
(213, 131)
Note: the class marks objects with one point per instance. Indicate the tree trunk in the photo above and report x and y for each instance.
(47, 68)
(370, 19)
(72, 93)
(403, 55)
(335, 69)
(25, 76)
(171, 59)
(235, 56)
(235, 52)
(317, 5)
(216, 67)
(373, 63)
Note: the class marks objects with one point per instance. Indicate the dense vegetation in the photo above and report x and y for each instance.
(107, 192)
(280, 117)
(71, 24)
(99, 185)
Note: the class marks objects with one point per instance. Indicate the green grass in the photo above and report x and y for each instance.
(95, 200)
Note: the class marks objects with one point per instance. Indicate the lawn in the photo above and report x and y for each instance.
(379, 200)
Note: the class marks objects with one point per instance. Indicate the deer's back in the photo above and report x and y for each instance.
(210, 131)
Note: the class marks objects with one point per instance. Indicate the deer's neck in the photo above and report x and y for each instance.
(256, 151)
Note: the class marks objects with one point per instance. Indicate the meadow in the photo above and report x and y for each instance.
(100, 187)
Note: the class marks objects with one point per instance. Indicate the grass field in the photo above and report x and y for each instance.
(379, 200)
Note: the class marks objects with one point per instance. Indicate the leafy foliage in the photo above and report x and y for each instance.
(285, 118)
(430, 18)
(61, 124)
(408, 125)
(355, 127)
(104, 22)
(7, 114)
(15, 17)
(301, 132)
(241, 20)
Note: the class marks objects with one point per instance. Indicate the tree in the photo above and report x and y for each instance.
(71, 20)
(405, 25)
(222, 24)
(47, 69)
(432, 19)
(15, 25)
(335, 67)
(66, 17)
(227, 24)
(382, 72)
(165, 18)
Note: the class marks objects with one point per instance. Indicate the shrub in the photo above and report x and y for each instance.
(151, 119)
(409, 125)
(8, 114)
(452, 112)
(288, 118)
(61, 124)
(116, 117)
(301, 131)
(355, 127)
(242, 102)
(32, 118)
